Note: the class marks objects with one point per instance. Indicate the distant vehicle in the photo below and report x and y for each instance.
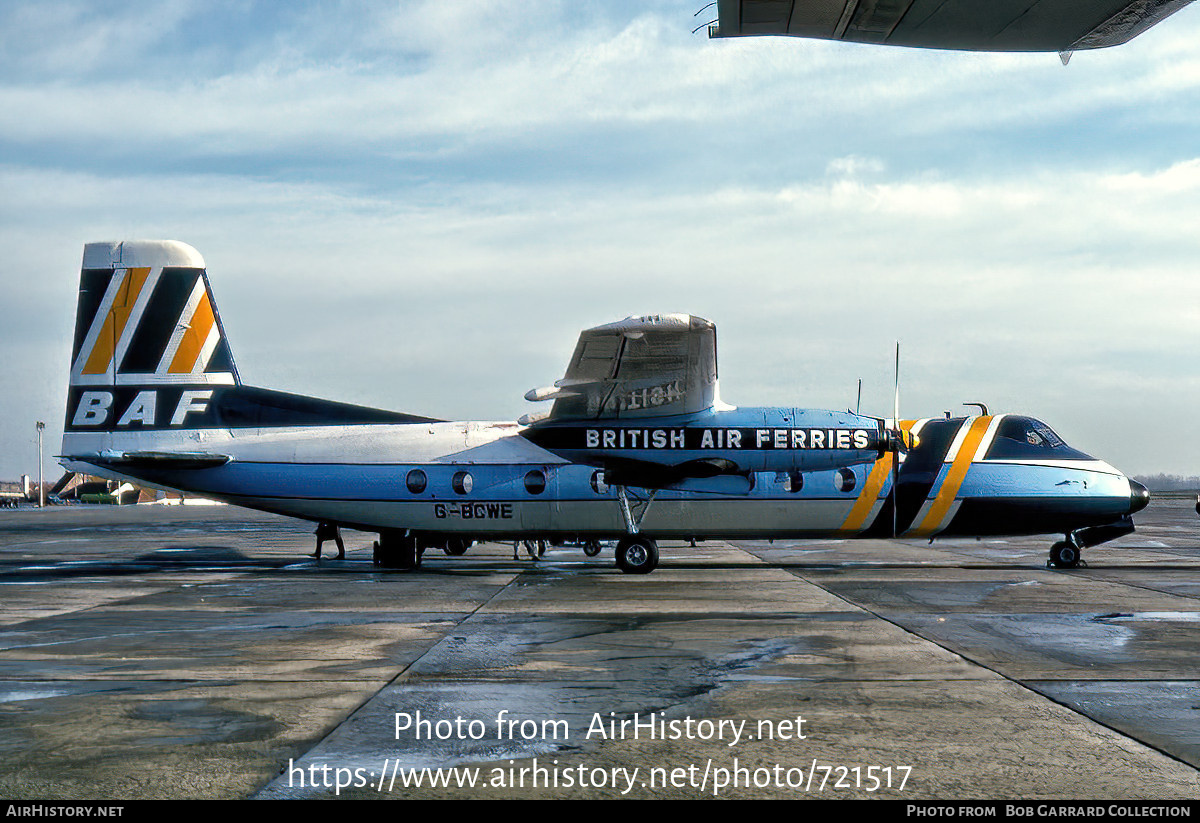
(637, 447)
(1062, 26)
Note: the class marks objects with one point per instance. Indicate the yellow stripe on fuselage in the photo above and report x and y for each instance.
(856, 520)
(948, 492)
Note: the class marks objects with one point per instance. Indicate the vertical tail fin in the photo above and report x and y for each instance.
(149, 345)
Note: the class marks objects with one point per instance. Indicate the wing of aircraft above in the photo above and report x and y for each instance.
(976, 25)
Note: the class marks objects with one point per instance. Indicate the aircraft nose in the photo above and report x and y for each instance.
(1139, 496)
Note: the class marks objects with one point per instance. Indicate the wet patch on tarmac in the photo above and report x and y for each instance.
(1163, 713)
(1045, 642)
(193, 721)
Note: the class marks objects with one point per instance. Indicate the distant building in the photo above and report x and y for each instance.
(83, 488)
(12, 494)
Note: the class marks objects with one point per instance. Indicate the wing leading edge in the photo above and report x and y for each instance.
(974, 25)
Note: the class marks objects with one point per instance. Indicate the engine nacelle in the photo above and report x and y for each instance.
(735, 441)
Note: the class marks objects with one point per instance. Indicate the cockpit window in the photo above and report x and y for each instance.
(1026, 438)
(1038, 433)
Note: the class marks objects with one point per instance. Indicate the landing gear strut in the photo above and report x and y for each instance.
(636, 554)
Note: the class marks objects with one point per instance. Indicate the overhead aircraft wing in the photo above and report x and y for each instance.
(654, 366)
(977, 25)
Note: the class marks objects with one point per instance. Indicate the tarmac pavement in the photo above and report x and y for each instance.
(167, 652)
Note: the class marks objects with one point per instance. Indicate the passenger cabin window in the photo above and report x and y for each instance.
(1029, 439)
(416, 481)
(535, 482)
(844, 480)
(794, 482)
(462, 482)
(598, 484)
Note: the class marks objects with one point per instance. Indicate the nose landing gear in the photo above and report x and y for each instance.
(1065, 555)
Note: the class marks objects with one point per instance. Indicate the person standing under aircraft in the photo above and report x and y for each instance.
(329, 531)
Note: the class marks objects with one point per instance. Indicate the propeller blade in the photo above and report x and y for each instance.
(896, 407)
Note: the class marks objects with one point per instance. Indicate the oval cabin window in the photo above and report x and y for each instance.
(416, 481)
(844, 480)
(598, 484)
(535, 482)
(462, 482)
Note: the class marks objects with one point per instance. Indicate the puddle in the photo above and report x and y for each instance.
(1173, 617)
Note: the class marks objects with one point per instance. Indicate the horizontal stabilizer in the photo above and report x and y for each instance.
(152, 459)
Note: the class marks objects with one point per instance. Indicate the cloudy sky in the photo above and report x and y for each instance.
(417, 205)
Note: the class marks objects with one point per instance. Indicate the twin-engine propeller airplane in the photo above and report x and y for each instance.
(1063, 26)
(637, 446)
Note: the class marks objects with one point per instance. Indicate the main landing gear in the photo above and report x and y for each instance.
(397, 550)
(456, 546)
(637, 554)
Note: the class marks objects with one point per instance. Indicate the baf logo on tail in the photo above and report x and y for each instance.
(149, 346)
(637, 446)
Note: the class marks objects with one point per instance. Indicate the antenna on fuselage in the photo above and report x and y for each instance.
(896, 444)
(858, 404)
(983, 409)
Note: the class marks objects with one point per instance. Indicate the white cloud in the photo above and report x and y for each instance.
(854, 166)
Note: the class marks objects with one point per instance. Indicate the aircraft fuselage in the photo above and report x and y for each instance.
(487, 480)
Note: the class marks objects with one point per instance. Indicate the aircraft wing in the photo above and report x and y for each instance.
(639, 367)
(977, 25)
